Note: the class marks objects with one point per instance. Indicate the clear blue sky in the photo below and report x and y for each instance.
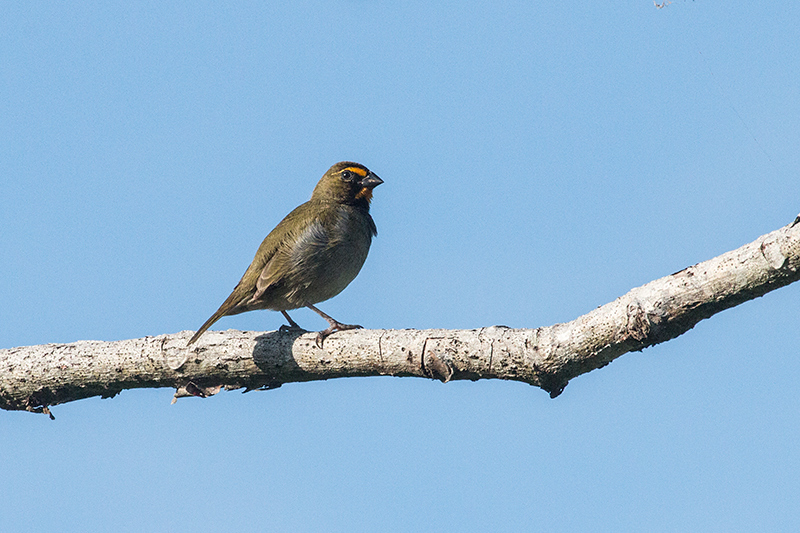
(540, 159)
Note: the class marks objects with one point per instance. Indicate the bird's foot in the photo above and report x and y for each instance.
(292, 327)
(334, 327)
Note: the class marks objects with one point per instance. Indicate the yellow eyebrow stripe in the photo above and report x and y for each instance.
(357, 170)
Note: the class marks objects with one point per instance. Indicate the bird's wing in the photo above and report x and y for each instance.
(263, 262)
(302, 235)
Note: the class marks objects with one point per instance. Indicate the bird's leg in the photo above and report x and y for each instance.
(335, 325)
(292, 324)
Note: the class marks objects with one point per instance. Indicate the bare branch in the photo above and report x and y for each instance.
(35, 377)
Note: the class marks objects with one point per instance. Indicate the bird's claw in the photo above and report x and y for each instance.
(334, 327)
(290, 329)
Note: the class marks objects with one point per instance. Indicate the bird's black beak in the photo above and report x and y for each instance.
(370, 181)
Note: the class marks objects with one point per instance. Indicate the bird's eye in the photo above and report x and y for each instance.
(347, 175)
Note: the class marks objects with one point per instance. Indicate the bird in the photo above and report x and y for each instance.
(312, 254)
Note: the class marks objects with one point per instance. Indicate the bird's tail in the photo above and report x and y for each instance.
(233, 300)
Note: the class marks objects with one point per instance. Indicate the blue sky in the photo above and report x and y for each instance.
(539, 158)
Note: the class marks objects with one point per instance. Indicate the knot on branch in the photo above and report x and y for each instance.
(772, 252)
(193, 389)
(436, 368)
(553, 385)
(638, 324)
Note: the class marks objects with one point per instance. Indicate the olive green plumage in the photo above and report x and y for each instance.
(313, 253)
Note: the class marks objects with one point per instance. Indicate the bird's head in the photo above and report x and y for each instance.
(347, 183)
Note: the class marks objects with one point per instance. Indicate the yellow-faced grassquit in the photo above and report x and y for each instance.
(313, 253)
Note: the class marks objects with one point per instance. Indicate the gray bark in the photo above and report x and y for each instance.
(34, 378)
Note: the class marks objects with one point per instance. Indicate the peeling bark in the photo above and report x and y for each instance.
(34, 378)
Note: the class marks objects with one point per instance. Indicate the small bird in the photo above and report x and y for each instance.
(312, 254)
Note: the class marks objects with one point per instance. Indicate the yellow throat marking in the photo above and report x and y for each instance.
(365, 192)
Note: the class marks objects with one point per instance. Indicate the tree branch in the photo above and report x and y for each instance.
(35, 377)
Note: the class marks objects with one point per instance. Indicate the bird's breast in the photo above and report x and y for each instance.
(329, 254)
